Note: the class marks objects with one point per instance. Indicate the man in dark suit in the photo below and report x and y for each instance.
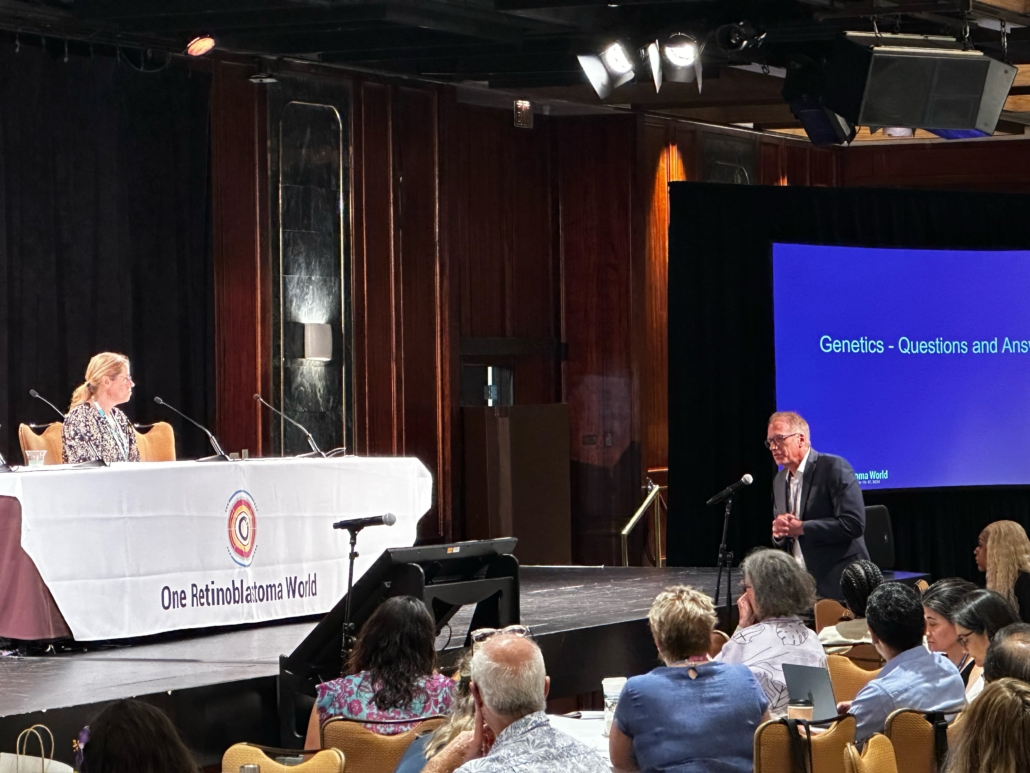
(818, 511)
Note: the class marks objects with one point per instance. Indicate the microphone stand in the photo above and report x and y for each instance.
(98, 460)
(315, 450)
(348, 627)
(725, 560)
(219, 455)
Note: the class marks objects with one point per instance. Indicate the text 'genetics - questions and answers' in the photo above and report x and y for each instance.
(904, 345)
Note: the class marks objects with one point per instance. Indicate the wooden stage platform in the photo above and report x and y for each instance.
(220, 688)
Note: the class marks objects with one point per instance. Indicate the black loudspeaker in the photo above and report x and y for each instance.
(879, 536)
(925, 83)
(823, 126)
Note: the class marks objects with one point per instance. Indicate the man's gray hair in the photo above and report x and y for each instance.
(795, 421)
(512, 689)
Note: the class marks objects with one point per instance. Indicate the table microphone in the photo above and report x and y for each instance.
(98, 459)
(315, 450)
(220, 454)
(357, 524)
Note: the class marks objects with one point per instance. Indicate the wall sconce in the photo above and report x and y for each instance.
(318, 341)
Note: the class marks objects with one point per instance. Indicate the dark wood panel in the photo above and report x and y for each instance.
(417, 307)
(771, 157)
(376, 424)
(797, 164)
(596, 177)
(998, 165)
(823, 167)
(237, 158)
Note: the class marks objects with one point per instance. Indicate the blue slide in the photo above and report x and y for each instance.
(914, 365)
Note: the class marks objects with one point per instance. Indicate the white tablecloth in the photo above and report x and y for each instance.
(588, 729)
(143, 548)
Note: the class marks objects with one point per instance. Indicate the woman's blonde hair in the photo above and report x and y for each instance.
(681, 621)
(463, 710)
(1008, 554)
(103, 364)
(994, 734)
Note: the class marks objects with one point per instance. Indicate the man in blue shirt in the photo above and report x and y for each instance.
(913, 677)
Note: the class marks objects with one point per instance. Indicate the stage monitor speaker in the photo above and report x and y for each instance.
(879, 536)
(894, 81)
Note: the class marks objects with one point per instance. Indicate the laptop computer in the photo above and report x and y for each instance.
(811, 683)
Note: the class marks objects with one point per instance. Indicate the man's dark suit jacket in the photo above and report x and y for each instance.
(834, 514)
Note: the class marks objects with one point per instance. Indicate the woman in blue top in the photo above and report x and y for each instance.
(694, 715)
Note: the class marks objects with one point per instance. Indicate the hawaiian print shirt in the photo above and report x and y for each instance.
(354, 697)
(531, 744)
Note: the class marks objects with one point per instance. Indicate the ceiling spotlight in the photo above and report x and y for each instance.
(738, 37)
(681, 50)
(606, 72)
(200, 45)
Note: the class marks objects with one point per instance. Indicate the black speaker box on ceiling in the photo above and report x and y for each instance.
(926, 83)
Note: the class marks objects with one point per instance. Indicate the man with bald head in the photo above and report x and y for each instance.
(512, 732)
(818, 510)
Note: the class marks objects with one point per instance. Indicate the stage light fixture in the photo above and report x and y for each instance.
(678, 59)
(738, 37)
(681, 50)
(200, 45)
(609, 70)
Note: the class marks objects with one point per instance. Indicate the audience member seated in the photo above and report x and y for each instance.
(463, 713)
(771, 632)
(511, 731)
(939, 602)
(857, 581)
(694, 714)
(1003, 552)
(1009, 654)
(912, 678)
(978, 616)
(392, 673)
(130, 736)
(994, 734)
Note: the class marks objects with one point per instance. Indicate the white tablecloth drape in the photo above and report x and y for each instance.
(138, 549)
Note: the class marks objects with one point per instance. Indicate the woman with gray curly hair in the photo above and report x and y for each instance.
(776, 592)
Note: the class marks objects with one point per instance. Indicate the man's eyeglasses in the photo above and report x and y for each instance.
(777, 440)
(480, 635)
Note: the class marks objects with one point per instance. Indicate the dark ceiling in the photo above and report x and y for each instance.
(528, 45)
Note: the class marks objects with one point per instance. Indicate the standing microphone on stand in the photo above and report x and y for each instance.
(357, 524)
(98, 460)
(730, 490)
(315, 450)
(220, 454)
(725, 560)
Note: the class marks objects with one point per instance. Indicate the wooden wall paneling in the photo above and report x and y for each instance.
(996, 165)
(797, 165)
(596, 178)
(823, 167)
(685, 163)
(771, 158)
(375, 353)
(417, 309)
(240, 277)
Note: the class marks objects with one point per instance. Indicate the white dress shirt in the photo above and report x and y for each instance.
(796, 480)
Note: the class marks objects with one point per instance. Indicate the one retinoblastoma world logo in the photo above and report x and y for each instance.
(242, 527)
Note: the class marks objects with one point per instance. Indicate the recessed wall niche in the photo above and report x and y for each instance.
(309, 154)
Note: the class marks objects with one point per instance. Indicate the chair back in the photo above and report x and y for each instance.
(369, 752)
(829, 612)
(920, 740)
(49, 440)
(772, 748)
(324, 761)
(156, 444)
(847, 678)
(879, 536)
(922, 585)
(877, 757)
(865, 656)
(719, 639)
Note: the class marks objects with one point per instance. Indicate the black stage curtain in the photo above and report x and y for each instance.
(722, 367)
(104, 235)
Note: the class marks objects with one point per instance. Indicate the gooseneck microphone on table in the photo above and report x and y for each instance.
(98, 459)
(357, 524)
(315, 450)
(730, 490)
(220, 455)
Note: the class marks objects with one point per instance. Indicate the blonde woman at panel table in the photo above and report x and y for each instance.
(94, 418)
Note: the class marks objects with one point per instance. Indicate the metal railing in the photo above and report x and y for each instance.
(653, 501)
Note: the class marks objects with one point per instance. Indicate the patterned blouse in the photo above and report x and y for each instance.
(354, 697)
(85, 422)
(766, 646)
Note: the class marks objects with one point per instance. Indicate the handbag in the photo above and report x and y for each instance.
(22, 762)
